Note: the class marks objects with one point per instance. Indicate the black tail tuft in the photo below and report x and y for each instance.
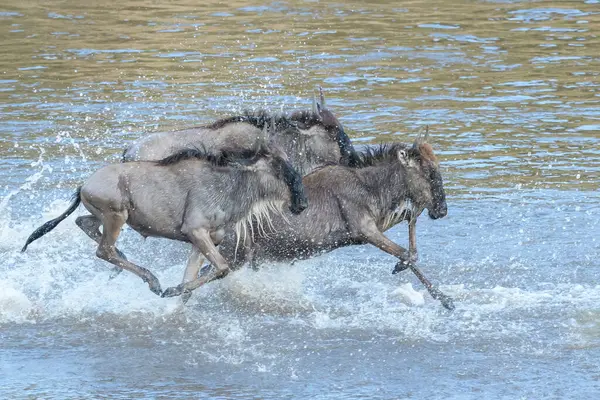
(48, 226)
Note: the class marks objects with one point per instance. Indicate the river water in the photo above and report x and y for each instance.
(511, 92)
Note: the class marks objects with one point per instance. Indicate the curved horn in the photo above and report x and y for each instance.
(314, 104)
(426, 136)
(418, 140)
(321, 97)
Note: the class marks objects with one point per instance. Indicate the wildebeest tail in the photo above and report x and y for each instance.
(48, 226)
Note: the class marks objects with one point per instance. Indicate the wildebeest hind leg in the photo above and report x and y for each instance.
(91, 226)
(201, 239)
(112, 224)
(191, 271)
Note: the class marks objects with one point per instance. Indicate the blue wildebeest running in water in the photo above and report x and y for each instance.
(311, 139)
(348, 206)
(191, 196)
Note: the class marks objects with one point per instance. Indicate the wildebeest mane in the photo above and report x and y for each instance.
(306, 119)
(222, 158)
(259, 119)
(371, 156)
(374, 155)
(299, 119)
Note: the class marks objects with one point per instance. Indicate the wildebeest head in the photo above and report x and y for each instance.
(424, 178)
(322, 129)
(274, 162)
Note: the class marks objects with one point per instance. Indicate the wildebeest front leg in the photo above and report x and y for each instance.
(412, 248)
(112, 224)
(412, 241)
(91, 226)
(202, 240)
(372, 235)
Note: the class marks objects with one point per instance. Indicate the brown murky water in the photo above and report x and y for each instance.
(511, 93)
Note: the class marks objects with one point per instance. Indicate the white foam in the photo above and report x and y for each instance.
(409, 296)
(60, 275)
(14, 305)
(273, 289)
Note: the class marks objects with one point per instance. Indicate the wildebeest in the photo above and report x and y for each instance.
(310, 138)
(190, 196)
(394, 182)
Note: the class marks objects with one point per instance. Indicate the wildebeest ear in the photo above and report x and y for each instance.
(403, 157)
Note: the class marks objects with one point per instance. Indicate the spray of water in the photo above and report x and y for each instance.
(59, 278)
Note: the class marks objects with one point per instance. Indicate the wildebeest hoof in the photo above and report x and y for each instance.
(447, 302)
(154, 285)
(186, 296)
(156, 290)
(400, 266)
(120, 254)
(173, 291)
(205, 270)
